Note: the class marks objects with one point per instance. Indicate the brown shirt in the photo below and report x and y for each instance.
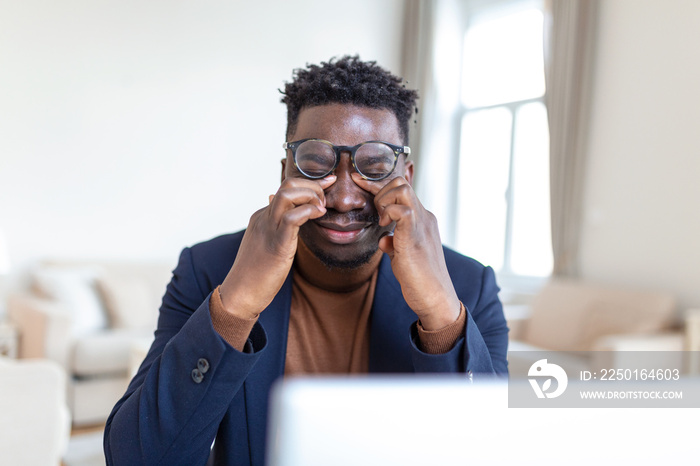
(329, 331)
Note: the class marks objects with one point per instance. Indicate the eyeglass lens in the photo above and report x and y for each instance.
(373, 160)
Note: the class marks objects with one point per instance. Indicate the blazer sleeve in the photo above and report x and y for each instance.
(483, 349)
(172, 408)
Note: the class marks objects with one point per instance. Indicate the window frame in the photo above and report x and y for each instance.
(510, 281)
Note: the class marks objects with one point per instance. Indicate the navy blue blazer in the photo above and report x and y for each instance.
(171, 416)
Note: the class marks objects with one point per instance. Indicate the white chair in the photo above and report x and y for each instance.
(35, 422)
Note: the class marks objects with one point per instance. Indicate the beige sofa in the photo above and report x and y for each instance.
(581, 318)
(87, 317)
(35, 424)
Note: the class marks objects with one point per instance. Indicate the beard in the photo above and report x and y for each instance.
(350, 256)
(334, 262)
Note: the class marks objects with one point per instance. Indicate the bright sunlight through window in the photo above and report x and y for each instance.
(503, 212)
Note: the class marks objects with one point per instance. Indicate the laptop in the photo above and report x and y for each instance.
(447, 420)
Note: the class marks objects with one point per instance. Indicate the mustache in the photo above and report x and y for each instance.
(352, 216)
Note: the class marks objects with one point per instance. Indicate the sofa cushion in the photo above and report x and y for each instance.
(74, 289)
(130, 301)
(106, 352)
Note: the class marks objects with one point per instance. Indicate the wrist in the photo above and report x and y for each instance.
(236, 305)
(442, 316)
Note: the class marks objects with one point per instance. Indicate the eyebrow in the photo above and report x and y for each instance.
(317, 158)
(378, 158)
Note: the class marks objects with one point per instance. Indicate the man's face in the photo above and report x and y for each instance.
(347, 235)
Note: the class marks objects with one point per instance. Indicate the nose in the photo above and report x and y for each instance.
(344, 195)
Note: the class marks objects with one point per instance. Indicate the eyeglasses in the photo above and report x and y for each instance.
(317, 158)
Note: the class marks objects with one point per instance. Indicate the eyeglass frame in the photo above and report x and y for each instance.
(397, 150)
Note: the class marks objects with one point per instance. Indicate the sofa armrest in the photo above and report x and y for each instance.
(45, 328)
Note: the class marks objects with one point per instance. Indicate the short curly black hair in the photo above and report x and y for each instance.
(349, 80)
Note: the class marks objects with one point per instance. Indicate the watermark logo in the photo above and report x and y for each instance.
(543, 370)
(609, 379)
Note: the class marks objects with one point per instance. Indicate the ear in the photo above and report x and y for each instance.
(408, 171)
(284, 169)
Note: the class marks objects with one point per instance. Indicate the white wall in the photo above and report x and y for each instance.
(130, 128)
(118, 121)
(642, 203)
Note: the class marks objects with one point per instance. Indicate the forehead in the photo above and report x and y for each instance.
(347, 124)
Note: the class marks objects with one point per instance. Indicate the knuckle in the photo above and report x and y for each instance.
(410, 215)
(284, 193)
(404, 189)
(404, 211)
(286, 219)
(291, 181)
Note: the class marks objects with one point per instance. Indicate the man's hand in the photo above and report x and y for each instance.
(269, 244)
(415, 249)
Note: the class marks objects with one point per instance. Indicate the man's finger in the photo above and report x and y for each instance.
(297, 216)
(386, 244)
(289, 198)
(401, 214)
(370, 186)
(374, 187)
(397, 191)
(327, 181)
(317, 186)
(402, 195)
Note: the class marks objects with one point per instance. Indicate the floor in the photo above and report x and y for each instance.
(85, 447)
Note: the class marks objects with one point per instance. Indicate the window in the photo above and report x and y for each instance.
(502, 209)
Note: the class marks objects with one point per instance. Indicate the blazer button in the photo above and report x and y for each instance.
(203, 365)
(197, 376)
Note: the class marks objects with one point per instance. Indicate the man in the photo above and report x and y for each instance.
(343, 272)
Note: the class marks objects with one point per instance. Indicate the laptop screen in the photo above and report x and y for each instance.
(446, 420)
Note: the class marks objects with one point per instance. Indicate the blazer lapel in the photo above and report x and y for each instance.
(270, 366)
(391, 320)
